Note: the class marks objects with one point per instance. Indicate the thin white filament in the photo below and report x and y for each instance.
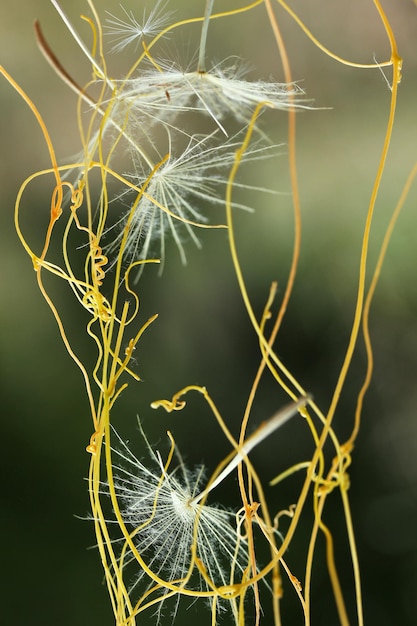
(266, 429)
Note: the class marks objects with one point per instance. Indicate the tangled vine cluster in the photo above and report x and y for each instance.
(167, 143)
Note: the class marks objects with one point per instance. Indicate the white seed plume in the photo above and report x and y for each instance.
(127, 30)
(220, 92)
(160, 503)
(167, 508)
(183, 188)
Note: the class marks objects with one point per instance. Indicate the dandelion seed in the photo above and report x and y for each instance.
(160, 503)
(179, 192)
(220, 92)
(127, 31)
(167, 511)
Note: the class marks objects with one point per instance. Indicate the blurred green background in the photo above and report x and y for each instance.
(202, 335)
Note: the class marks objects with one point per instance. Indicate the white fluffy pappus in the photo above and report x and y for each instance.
(179, 195)
(126, 30)
(158, 96)
(172, 525)
(162, 504)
